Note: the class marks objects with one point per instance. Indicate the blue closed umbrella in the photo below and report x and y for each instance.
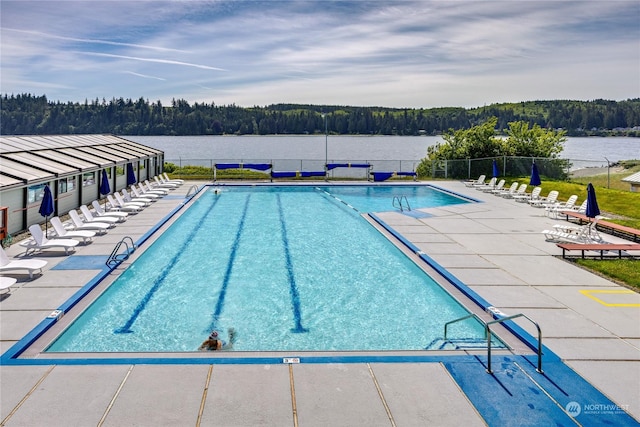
(46, 207)
(496, 172)
(131, 175)
(535, 176)
(105, 188)
(592, 204)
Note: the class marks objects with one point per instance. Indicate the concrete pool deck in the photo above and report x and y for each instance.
(494, 247)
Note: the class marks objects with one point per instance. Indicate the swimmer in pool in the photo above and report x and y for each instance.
(214, 342)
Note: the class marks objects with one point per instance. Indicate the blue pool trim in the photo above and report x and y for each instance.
(293, 288)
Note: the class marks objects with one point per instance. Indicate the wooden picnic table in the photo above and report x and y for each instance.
(601, 247)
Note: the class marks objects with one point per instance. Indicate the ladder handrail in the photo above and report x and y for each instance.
(446, 325)
(116, 258)
(399, 199)
(193, 187)
(503, 319)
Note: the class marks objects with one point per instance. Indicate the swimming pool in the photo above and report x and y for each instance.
(290, 268)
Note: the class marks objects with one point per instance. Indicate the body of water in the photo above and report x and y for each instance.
(589, 151)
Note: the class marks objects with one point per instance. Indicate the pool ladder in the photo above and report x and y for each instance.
(487, 328)
(120, 253)
(195, 190)
(401, 202)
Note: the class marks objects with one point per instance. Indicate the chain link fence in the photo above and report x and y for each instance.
(507, 166)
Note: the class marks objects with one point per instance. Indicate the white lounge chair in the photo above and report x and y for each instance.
(171, 180)
(164, 185)
(553, 209)
(580, 209)
(89, 218)
(489, 185)
(507, 194)
(122, 202)
(127, 198)
(97, 226)
(478, 181)
(117, 206)
(7, 283)
(148, 188)
(30, 265)
(85, 235)
(499, 187)
(101, 213)
(137, 193)
(39, 242)
(586, 233)
(522, 198)
(541, 202)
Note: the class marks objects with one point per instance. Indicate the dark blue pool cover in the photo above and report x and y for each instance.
(256, 166)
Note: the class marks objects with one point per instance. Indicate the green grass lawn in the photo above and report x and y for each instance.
(626, 271)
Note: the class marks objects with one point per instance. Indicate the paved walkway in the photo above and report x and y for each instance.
(494, 247)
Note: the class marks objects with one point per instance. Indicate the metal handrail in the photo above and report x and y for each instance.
(116, 256)
(400, 206)
(195, 188)
(488, 331)
(446, 325)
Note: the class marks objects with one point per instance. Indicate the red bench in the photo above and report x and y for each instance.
(602, 247)
(606, 226)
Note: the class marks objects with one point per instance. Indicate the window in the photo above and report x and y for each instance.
(119, 170)
(66, 185)
(88, 178)
(35, 193)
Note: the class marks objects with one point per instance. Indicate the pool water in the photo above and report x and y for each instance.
(289, 268)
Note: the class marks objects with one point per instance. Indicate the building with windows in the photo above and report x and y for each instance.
(72, 166)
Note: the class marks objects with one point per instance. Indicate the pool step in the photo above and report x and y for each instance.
(457, 344)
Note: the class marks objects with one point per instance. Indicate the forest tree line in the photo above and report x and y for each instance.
(27, 114)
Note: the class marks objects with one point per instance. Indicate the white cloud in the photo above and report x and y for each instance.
(399, 54)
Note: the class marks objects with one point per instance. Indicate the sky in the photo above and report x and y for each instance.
(402, 54)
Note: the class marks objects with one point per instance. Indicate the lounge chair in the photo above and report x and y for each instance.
(117, 206)
(576, 234)
(85, 235)
(30, 265)
(149, 188)
(580, 209)
(558, 206)
(122, 202)
(97, 226)
(541, 202)
(499, 187)
(164, 184)
(167, 179)
(101, 213)
(89, 218)
(127, 198)
(137, 193)
(7, 283)
(478, 181)
(507, 194)
(488, 186)
(39, 242)
(522, 198)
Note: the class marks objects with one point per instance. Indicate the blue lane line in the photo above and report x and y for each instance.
(227, 274)
(293, 288)
(126, 328)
